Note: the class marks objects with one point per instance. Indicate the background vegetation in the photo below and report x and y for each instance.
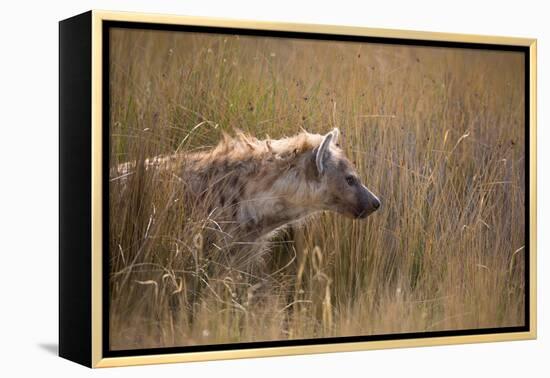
(437, 133)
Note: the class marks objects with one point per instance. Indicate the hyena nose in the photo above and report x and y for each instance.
(376, 203)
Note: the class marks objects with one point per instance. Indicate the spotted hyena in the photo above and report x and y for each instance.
(251, 188)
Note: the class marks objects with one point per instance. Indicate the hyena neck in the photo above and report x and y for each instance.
(268, 223)
(263, 225)
(285, 196)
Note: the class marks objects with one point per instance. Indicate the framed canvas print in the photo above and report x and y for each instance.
(235, 189)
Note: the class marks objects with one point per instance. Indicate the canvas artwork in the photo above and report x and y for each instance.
(280, 188)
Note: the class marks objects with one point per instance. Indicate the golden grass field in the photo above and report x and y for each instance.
(436, 133)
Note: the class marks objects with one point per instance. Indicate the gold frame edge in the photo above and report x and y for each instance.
(309, 349)
(97, 195)
(533, 187)
(310, 28)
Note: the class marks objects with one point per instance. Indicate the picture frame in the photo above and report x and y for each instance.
(85, 150)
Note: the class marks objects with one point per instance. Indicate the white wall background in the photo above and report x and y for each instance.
(28, 200)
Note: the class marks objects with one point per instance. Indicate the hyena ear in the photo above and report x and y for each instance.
(323, 153)
(335, 135)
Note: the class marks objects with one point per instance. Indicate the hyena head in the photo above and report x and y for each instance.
(339, 186)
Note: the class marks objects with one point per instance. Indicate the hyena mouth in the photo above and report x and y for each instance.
(362, 214)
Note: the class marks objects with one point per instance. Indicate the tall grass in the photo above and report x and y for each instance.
(437, 133)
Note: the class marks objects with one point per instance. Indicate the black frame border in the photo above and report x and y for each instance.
(75, 201)
(107, 25)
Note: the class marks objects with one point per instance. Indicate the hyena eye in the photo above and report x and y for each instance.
(351, 180)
